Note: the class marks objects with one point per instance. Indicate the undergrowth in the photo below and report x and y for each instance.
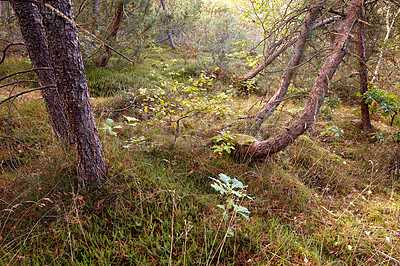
(326, 199)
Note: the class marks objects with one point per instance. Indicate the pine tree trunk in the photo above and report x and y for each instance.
(70, 76)
(112, 34)
(297, 56)
(30, 22)
(365, 119)
(268, 147)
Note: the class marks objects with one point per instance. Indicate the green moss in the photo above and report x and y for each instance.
(315, 152)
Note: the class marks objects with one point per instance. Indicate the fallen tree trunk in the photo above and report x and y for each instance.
(297, 56)
(273, 145)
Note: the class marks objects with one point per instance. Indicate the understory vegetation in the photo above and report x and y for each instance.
(169, 128)
(246, 132)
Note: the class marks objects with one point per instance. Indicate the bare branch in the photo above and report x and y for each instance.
(7, 47)
(16, 82)
(23, 72)
(25, 92)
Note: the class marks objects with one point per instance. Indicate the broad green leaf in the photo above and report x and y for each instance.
(241, 209)
(237, 183)
(219, 188)
(224, 178)
(245, 216)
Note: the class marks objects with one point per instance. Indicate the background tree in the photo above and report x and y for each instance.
(365, 119)
(112, 30)
(169, 32)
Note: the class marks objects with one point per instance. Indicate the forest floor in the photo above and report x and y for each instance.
(331, 198)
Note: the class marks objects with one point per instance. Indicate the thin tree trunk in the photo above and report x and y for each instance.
(389, 26)
(272, 55)
(365, 119)
(70, 76)
(112, 34)
(30, 22)
(306, 119)
(297, 56)
(171, 40)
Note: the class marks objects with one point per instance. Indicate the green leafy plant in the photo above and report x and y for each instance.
(234, 190)
(109, 127)
(224, 143)
(141, 141)
(379, 136)
(234, 193)
(332, 131)
(247, 87)
(381, 101)
(173, 101)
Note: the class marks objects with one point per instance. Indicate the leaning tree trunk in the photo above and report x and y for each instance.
(306, 119)
(30, 22)
(112, 34)
(70, 76)
(365, 119)
(298, 53)
(273, 54)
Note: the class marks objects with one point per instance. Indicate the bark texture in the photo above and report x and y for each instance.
(297, 56)
(112, 34)
(306, 119)
(70, 76)
(30, 22)
(365, 119)
(274, 53)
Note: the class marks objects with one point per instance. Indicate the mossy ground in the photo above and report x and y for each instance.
(324, 200)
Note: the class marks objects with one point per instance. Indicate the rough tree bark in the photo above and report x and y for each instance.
(365, 119)
(171, 40)
(30, 22)
(112, 34)
(306, 119)
(273, 54)
(297, 56)
(71, 82)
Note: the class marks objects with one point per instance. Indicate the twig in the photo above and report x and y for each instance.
(16, 82)
(24, 71)
(389, 257)
(25, 92)
(5, 50)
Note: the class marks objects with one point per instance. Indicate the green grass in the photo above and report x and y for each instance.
(323, 200)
